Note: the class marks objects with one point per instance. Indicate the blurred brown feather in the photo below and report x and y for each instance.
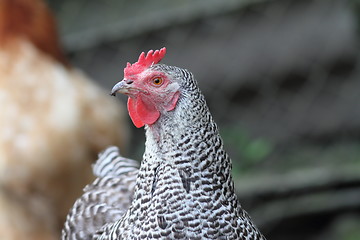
(53, 122)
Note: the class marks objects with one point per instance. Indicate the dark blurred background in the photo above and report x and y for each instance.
(282, 79)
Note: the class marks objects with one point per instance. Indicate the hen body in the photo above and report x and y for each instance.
(184, 188)
(106, 199)
(53, 121)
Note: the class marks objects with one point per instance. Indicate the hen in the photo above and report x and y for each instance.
(53, 121)
(184, 188)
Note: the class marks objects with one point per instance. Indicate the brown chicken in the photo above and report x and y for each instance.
(53, 122)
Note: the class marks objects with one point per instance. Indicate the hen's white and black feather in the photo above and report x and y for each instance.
(106, 199)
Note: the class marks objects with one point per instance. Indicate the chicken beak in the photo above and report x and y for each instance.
(123, 87)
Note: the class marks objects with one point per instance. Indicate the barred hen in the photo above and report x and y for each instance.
(184, 188)
(53, 121)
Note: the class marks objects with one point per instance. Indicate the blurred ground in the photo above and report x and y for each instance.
(282, 80)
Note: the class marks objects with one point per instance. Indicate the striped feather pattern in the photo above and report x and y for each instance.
(111, 163)
(106, 199)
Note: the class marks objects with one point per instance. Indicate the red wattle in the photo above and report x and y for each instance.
(131, 104)
(142, 113)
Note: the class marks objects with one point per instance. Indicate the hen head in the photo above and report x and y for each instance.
(152, 88)
(33, 21)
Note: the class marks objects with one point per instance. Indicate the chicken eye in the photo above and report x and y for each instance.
(157, 81)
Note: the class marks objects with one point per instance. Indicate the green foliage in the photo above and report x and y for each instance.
(355, 5)
(245, 151)
(347, 228)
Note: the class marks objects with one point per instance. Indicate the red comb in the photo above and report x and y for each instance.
(144, 62)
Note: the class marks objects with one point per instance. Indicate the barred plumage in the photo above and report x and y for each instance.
(111, 163)
(184, 188)
(106, 199)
